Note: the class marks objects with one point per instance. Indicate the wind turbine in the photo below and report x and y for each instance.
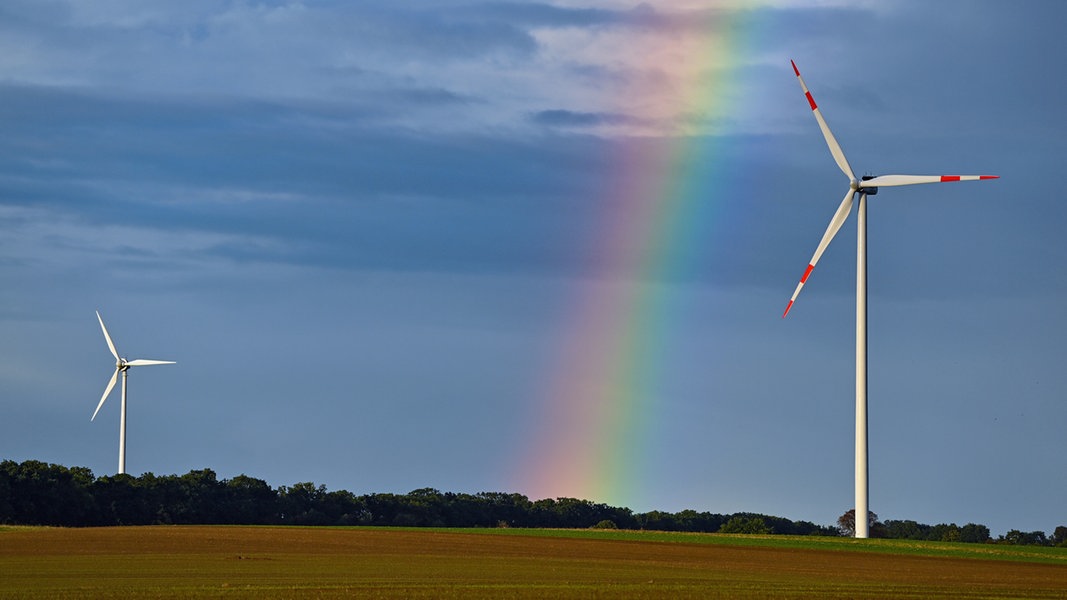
(121, 365)
(867, 186)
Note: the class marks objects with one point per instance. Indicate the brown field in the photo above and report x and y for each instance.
(161, 562)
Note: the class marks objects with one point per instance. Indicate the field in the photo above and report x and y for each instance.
(253, 562)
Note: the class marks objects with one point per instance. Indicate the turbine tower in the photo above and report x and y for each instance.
(121, 365)
(867, 186)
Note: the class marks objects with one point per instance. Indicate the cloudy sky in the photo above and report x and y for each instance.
(541, 247)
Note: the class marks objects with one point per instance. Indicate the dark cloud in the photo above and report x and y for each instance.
(568, 118)
(541, 15)
(640, 16)
(327, 184)
(438, 33)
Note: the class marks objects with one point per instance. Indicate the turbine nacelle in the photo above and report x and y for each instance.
(869, 190)
(862, 185)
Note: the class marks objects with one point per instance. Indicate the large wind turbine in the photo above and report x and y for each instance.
(868, 186)
(121, 365)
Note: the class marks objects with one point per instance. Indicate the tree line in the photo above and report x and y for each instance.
(38, 493)
(948, 532)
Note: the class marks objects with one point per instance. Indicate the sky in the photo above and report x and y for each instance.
(541, 247)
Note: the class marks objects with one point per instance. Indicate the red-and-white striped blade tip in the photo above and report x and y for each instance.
(807, 94)
(835, 148)
(800, 286)
(945, 178)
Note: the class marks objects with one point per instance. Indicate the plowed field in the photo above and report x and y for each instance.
(294, 562)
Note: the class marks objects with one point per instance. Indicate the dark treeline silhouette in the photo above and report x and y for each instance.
(943, 532)
(38, 493)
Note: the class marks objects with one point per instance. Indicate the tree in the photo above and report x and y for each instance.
(249, 501)
(944, 533)
(301, 504)
(1024, 538)
(203, 496)
(120, 502)
(7, 511)
(906, 530)
(1059, 537)
(846, 523)
(658, 521)
(510, 509)
(974, 533)
(747, 525)
(425, 508)
(690, 520)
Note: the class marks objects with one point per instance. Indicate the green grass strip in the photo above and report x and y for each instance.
(1032, 554)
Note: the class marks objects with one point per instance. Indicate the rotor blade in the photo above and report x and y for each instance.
(140, 362)
(831, 141)
(831, 231)
(110, 386)
(107, 337)
(891, 180)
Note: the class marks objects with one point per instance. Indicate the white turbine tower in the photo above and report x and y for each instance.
(121, 365)
(868, 186)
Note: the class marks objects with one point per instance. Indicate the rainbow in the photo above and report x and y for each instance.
(598, 409)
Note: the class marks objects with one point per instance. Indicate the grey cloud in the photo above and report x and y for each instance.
(246, 50)
(568, 118)
(641, 16)
(327, 183)
(541, 15)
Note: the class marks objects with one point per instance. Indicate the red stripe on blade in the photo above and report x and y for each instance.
(811, 100)
(806, 273)
(989, 177)
(795, 68)
(950, 178)
(788, 306)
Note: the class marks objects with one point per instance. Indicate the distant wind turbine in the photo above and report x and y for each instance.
(868, 186)
(121, 365)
